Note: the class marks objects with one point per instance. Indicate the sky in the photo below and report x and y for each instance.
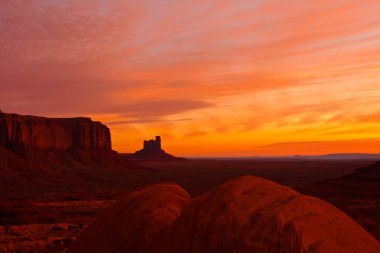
(212, 77)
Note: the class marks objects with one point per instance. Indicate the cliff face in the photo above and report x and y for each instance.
(23, 132)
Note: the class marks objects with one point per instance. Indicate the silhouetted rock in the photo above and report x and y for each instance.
(247, 214)
(153, 145)
(152, 151)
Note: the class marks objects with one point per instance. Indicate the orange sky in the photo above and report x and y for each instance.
(212, 77)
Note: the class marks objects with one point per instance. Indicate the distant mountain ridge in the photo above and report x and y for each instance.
(338, 156)
(343, 156)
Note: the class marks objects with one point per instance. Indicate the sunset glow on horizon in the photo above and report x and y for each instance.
(212, 77)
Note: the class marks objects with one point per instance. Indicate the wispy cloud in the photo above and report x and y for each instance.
(242, 70)
(320, 147)
(144, 120)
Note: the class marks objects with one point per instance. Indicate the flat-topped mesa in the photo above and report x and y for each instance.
(24, 132)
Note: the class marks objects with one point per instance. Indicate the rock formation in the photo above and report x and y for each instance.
(53, 142)
(357, 194)
(134, 220)
(24, 132)
(247, 214)
(152, 151)
(153, 145)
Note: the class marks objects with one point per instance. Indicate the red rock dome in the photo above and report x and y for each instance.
(247, 214)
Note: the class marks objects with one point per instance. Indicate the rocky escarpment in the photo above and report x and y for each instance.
(19, 132)
(247, 214)
(55, 142)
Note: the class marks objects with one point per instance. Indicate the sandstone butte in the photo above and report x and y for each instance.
(20, 132)
(244, 215)
(152, 151)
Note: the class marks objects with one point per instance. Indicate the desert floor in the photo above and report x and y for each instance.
(49, 219)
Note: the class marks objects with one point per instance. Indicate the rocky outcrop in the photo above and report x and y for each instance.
(247, 214)
(152, 151)
(134, 220)
(20, 132)
(357, 194)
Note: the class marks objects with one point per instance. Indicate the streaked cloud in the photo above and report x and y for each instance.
(248, 73)
(320, 147)
(142, 121)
